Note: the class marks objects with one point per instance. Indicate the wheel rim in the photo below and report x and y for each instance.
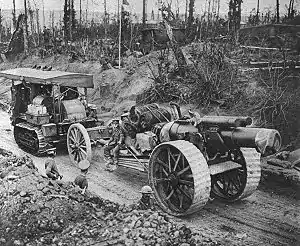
(78, 142)
(173, 179)
(231, 184)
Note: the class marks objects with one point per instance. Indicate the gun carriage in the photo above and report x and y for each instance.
(189, 159)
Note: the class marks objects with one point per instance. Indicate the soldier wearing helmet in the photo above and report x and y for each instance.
(145, 201)
(114, 144)
(51, 168)
(81, 179)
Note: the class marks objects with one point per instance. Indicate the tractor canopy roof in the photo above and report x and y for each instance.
(37, 76)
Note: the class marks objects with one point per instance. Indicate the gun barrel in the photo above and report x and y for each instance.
(226, 121)
(264, 140)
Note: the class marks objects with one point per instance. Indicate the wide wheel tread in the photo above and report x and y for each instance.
(252, 159)
(201, 176)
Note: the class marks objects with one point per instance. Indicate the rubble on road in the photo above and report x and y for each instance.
(37, 211)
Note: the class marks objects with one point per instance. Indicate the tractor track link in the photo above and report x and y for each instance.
(37, 137)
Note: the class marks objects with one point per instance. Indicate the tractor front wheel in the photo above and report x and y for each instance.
(79, 144)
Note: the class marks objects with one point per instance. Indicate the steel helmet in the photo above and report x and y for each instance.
(84, 164)
(146, 190)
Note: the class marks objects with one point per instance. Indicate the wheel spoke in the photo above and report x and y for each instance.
(185, 182)
(75, 130)
(233, 183)
(82, 141)
(172, 156)
(165, 172)
(169, 196)
(80, 156)
(162, 163)
(177, 161)
(76, 156)
(83, 151)
(183, 170)
(169, 160)
(72, 136)
(180, 198)
(185, 194)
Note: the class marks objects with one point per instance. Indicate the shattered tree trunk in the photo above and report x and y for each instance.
(14, 14)
(25, 29)
(277, 11)
(191, 14)
(181, 62)
(38, 26)
(0, 25)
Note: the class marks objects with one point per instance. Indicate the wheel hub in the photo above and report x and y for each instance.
(174, 180)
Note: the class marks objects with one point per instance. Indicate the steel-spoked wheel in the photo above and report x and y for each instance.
(241, 182)
(79, 144)
(179, 176)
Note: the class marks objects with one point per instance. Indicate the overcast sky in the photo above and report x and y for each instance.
(136, 5)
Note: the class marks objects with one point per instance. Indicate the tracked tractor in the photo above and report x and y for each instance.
(45, 103)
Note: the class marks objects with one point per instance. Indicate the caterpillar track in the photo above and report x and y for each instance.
(199, 172)
(31, 138)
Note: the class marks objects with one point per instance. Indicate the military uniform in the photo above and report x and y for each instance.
(81, 181)
(114, 144)
(51, 169)
(145, 204)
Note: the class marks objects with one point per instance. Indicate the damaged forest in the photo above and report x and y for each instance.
(207, 92)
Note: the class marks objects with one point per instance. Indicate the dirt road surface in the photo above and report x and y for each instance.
(269, 217)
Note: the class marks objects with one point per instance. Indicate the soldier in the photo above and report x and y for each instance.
(145, 202)
(114, 144)
(51, 168)
(81, 179)
(129, 131)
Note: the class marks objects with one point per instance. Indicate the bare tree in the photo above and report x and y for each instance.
(25, 28)
(277, 11)
(291, 11)
(14, 13)
(1, 25)
(191, 14)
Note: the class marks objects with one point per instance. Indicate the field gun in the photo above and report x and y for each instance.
(191, 158)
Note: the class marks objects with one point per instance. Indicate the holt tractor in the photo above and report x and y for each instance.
(45, 104)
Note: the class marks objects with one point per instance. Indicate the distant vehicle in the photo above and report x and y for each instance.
(45, 104)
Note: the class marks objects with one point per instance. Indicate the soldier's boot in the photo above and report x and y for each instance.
(108, 164)
(116, 161)
(115, 164)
